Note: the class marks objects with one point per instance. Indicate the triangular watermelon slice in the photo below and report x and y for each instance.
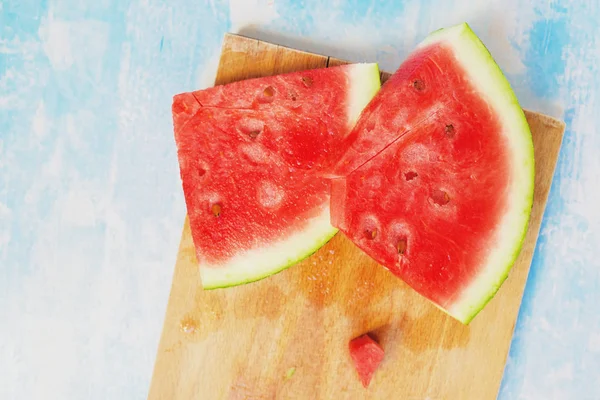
(252, 155)
(437, 182)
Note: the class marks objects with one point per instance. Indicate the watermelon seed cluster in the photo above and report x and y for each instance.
(269, 91)
(410, 175)
(216, 209)
(250, 127)
(402, 245)
(307, 81)
(371, 233)
(440, 197)
(418, 85)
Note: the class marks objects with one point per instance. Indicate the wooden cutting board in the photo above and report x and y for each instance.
(286, 337)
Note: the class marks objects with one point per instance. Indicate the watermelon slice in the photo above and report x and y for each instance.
(367, 355)
(437, 182)
(252, 155)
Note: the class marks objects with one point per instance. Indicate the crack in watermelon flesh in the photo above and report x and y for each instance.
(440, 165)
(252, 155)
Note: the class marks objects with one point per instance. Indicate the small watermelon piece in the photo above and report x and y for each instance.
(366, 354)
(252, 155)
(438, 188)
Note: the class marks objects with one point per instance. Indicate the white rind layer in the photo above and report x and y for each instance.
(264, 261)
(365, 82)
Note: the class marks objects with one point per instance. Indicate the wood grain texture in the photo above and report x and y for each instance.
(240, 343)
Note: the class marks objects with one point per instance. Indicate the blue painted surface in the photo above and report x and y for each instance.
(91, 206)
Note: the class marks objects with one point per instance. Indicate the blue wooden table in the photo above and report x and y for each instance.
(91, 207)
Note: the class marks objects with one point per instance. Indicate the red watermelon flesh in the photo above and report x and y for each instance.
(443, 200)
(251, 157)
(407, 102)
(366, 354)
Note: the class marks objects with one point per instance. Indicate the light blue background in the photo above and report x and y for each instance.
(90, 200)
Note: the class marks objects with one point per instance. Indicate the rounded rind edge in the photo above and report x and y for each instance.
(469, 308)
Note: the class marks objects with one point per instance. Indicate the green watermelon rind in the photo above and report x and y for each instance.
(217, 277)
(488, 77)
(256, 264)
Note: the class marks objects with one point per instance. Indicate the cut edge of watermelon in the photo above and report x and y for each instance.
(365, 83)
(262, 262)
(487, 76)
